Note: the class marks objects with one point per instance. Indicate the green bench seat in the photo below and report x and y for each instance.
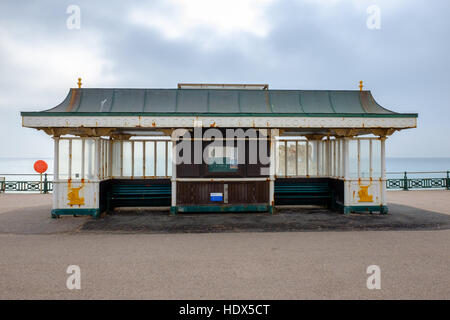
(292, 193)
(137, 195)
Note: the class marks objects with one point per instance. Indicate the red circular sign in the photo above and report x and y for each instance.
(40, 166)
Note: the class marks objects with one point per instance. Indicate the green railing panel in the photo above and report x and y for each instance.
(407, 183)
(26, 186)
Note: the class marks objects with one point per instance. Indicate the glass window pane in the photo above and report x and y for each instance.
(100, 165)
(342, 158)
(332, 158)
(353, 158)
(138, 159)
(89, 159)
(106, 160)
(76, 159)
(339, 158)
(160, 158)
(281, 158)
(301, 161)
(63, 159)
(102, 159)
(291, 159)
(116, 160)
(376, 158)
(364, 158)
(322, 155)
(127, 159)
(312, 153)
(149, 158)
(169, 160)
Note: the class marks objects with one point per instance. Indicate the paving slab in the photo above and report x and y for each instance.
(30, 214)
(245, 265)
(430, 200)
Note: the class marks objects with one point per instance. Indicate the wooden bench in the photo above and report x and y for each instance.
(288, 193)
(137, 195)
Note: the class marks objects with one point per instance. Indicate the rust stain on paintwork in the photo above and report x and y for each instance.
(73, 98)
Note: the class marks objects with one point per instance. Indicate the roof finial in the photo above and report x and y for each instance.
(360, 85)
(79, 83)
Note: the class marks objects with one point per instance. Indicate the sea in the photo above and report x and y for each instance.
(20, 169)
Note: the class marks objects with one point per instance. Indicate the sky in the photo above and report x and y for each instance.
(401, 51)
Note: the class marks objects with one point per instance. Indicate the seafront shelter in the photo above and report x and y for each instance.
(218, 148)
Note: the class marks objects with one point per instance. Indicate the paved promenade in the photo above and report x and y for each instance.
(36, 250)
(430, 200)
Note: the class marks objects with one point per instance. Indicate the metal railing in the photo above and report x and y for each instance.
(407, 183)
(401, 183)
(43, 185)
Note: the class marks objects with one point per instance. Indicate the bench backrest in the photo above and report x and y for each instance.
(308, 187)
(140, 189)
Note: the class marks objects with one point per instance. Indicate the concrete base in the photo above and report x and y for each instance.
(222, 208)
(349, 209)
(75, 212)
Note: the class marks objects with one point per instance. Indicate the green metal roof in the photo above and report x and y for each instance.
(220, 102)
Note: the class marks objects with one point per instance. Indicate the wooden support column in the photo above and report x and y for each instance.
(55, 172)
(273, 162)
(346, 173)
(97, 158)
(346, 158)
(110, 157)
(173, 180)
(383, 170)
(56, 158)
(317, 143)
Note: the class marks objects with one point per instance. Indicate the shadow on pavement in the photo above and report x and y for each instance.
(298, 219)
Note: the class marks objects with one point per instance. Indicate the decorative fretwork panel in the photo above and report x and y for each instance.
(29, 186)
(418, 183)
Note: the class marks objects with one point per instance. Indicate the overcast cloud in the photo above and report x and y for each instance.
(310, 44)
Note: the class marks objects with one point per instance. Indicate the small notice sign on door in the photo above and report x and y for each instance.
(216, 196)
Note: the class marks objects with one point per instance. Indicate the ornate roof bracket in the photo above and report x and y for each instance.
(80, 131)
